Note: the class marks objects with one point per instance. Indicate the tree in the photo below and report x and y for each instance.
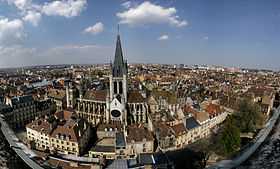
(249, 116)
(230, 135)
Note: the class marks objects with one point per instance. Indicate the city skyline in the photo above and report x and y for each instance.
(237, 34)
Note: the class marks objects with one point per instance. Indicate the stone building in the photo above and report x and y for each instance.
(62, 133)
(24, 109)
(139, 140)
(116, 104)
(58, 97)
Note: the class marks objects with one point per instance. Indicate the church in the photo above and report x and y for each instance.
(115, 105)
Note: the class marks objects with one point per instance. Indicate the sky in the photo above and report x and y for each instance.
(234, 33)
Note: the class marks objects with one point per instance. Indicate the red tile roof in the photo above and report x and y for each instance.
(40, 125)
(179, 129)
(213, 109)
(63, 115)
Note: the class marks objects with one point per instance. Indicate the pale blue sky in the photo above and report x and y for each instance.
(221, 32)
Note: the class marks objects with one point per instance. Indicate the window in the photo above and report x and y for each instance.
(115, 87)
(120, 88)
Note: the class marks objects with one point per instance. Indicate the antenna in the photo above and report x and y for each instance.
(118, 29)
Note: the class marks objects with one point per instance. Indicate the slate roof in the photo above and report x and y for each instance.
(119, 67)
(120, 139)
(5, 108)
(118, 164)
(22, 99)
(191, 123)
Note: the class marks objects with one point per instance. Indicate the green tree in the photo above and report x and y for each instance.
(249, 116)
(230, 135)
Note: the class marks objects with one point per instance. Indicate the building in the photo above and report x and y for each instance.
(62, 133)
(116, 104)
(139, 140)
(165, 136)
(58, 97)
(24, 109)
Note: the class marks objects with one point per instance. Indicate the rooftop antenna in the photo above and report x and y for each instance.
(118, 29)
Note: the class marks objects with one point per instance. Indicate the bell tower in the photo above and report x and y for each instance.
(118, 85)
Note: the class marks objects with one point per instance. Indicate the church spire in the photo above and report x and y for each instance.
(119, 67)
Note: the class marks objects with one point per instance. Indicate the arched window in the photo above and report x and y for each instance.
(115, 87)
(120, 88)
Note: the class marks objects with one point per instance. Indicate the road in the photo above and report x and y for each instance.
(247, 152)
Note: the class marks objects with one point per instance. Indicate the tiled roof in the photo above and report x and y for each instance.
(171, 97)
(98, 95)
(63, 115)
(66, 128)
(189, 109)
(201, 116)
(138, 134)
(179, 129)
(135, 97)
(213, 109)
(163, 130)
(70, 128)
(40, 125)
(57, 93)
